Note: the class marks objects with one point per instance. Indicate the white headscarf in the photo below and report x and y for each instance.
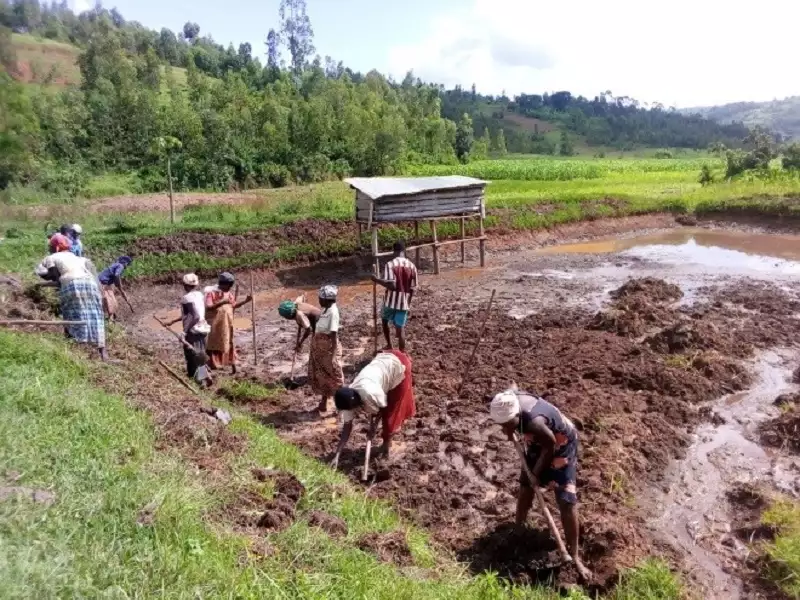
(504, 407)
(191, 279)
(328, 292)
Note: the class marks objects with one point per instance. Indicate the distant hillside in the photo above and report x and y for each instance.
(780, 116)
(45, 61)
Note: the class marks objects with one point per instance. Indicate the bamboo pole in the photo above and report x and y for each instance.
(375, 272)
(463, 237)
(253, 318)
(435, 249)
(477, 343)
(482, 242)
(416, 241)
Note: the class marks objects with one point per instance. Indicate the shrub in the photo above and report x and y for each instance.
(791, 157)
(706, 177)
(273, 175)
(662, 154)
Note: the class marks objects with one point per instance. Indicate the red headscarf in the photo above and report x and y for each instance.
(59, 243)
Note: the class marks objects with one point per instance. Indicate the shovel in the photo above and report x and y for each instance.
(183, 341)
(548, 517)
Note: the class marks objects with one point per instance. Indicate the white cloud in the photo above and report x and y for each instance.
(79, 6)
(682, 52)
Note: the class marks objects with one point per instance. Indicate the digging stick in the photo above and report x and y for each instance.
(253, 317)
(535, 485)
(33, 322)
(179, 379)
(372, 426)
(179, 337)
(294, 357)
(477, 343)
(128, 302)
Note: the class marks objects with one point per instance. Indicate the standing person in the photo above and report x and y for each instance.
(78, 293)
(77, 245)
(195, 330)
(111, 278)
(384, 388)
(220, 304)
(325, 359)
(552, 456)
(304, 314)
(400, 281)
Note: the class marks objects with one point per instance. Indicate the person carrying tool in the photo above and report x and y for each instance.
(400, 281)
(110, 279)
(552, 457)
(75, 235)
(325, 357)
(220, 304)
(195, 330)
(384, 388)
(304, 314)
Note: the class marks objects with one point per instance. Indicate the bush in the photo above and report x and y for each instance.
(663, 154)
(791, 157)
(313, 169)
(706, 177)
(341, 168)
(273, 175)
(63, 180)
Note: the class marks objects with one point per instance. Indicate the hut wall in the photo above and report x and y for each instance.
(422, 206)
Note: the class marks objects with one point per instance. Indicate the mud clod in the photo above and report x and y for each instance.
(388, 547)
(333, 526)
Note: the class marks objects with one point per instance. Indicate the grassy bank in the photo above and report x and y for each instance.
(782, 566)
(95, 455)
(535, 193)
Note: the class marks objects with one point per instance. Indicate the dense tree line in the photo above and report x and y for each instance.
(604, 121)
(233, 122)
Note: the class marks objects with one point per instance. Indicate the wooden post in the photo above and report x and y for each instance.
(171, 203)
(435, 249)
(375, 271)
(416, 241)
(463, 235)
(253, 318)
(482, 243)
(359, 232)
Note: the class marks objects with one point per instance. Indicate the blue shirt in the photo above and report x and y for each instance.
(77, 248)
(111, 274)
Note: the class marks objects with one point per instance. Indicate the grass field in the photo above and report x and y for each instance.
(525, 193)
(783, 566)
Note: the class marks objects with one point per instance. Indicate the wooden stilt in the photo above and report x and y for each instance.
(482, 244)
(435, 249)
(416, 241)
(375, 271)
(359, 234)
(463, 235)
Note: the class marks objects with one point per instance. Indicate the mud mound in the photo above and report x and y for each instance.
(637, 307)
(760, 297)
(287, 491)
(783, 432)
(648, 288)
(388, 547)
(333, 526)
(732, 376)
(306, 231)
(691, 335)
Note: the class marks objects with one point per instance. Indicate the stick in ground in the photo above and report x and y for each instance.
(477, 343)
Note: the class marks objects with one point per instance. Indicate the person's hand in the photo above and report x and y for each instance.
(298, 347)
(249, 298)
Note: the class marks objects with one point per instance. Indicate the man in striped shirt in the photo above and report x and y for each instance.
(400, 281)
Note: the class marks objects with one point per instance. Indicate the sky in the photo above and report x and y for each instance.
(681, 53)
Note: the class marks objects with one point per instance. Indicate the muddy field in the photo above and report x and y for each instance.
(663, 362)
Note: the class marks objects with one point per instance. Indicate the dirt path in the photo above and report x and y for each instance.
(638, 374)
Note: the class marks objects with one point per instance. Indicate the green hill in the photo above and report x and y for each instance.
(45, 61)
(780, 116)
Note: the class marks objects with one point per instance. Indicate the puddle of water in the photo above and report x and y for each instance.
(693, 510)
(739, 251)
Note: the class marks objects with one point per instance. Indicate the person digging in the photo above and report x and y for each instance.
(383, 390)
(551, 456)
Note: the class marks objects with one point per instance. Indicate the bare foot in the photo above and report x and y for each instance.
(322, 408)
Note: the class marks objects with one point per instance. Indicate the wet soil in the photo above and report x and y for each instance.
(333, 526)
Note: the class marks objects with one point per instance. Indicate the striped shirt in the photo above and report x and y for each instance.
(403, 273)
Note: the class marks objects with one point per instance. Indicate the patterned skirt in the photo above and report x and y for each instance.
(80, 300)
(325, 365)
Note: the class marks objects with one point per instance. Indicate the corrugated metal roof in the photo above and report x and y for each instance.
(377, 187)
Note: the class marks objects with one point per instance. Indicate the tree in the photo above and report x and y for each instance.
(8, 56)
(297, 33)
(791, 157)
(706, 177)
(500, 143)
(565, 145)
(480, 149)
(464, 138)
(273, 50)
(164, 147)
(191, 31)
(19, 132)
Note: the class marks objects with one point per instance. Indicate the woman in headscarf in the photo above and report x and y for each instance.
(220, 304)
(78, 292)
(304, 314)
(195, 330)
(111, 279)
(325, 358)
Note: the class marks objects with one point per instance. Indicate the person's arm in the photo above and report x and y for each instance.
(387, 283)
(215, 305)
(302, 336)
(243, 302)
(546, 440)
(171, 323)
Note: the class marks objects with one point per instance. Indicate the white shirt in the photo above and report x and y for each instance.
(197, 300)
(377, 379)
(328, 321)
(68, 265)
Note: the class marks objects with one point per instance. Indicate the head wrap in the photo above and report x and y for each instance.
(328, 292)
(504, 407)
(60, 243)
(346, 398)
(77, 229)
(226, 278)
(191, 279)
(287, 309)
(125, 260)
